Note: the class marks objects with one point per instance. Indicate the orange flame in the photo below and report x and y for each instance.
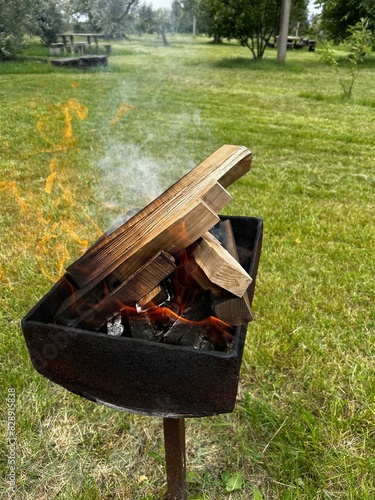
(123, 108)
(47, 129)
(13, 187)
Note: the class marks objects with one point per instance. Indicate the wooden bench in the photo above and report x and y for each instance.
(83, 62)
(81, 47)
(54, 48)
(311, 44)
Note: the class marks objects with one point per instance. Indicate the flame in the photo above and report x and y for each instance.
(53, 232)
(123, 108)
(49, 182)
(58, 235)
(13, 187)
(82, 112)
(48, 130)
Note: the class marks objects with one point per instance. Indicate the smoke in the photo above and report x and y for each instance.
(129, 179)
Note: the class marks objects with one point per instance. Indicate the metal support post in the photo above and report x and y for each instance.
(174, 442)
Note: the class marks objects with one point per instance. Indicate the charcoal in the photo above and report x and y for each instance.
(190, 327)
(141, 328)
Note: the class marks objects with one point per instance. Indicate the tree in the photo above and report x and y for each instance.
(358, 39)
(176, 15)
(108, 17)
(338, 15)
(163, 23)
(252, 22)
(15, 20)
(145, 19)
(47, 20)
(188, 22)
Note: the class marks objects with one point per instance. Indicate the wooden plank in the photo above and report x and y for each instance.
(217, 197)
(173, 239)
(91, 309)
(153, 298)
(171, 232)
(231, 309)
(225, 166)
(220, 267)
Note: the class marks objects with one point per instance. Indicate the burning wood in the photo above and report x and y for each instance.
(162, 269)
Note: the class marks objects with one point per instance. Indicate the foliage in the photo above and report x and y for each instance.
(359, 39)
(338, 15)
(160, 21)
(298, 17)
(163, 23)
(37, 17)
(176, 16)
(251, 22)
(48, 20)
(145, 22)
(109, 17)
(14, 20)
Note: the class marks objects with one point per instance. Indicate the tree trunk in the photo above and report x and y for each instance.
(164, 37)
(284, 27)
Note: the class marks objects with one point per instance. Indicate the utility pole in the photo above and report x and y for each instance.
(283, 34)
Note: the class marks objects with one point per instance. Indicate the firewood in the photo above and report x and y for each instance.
(223, 232)
(233, 310)
(200, 218)
(170, 237)
(220, 267)
(91, 308)
(140, 328)
(155, 297)
(217, 197)
(115, 270)
(224, 166)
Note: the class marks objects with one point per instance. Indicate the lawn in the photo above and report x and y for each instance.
(79, 148)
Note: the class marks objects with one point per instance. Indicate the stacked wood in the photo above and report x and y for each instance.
(126, 266)
(234, 310)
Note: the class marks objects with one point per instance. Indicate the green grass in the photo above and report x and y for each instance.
(303, 426)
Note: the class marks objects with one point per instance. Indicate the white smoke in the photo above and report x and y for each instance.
(129, 179)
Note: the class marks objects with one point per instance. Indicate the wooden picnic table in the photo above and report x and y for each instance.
(70, 36)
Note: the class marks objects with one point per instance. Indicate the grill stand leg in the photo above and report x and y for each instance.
(174, 442)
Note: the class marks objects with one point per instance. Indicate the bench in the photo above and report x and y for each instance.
(54, 48)
(83, 62)
(311, 44)
(81, 47)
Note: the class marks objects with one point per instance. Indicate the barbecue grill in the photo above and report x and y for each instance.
(143, 376)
